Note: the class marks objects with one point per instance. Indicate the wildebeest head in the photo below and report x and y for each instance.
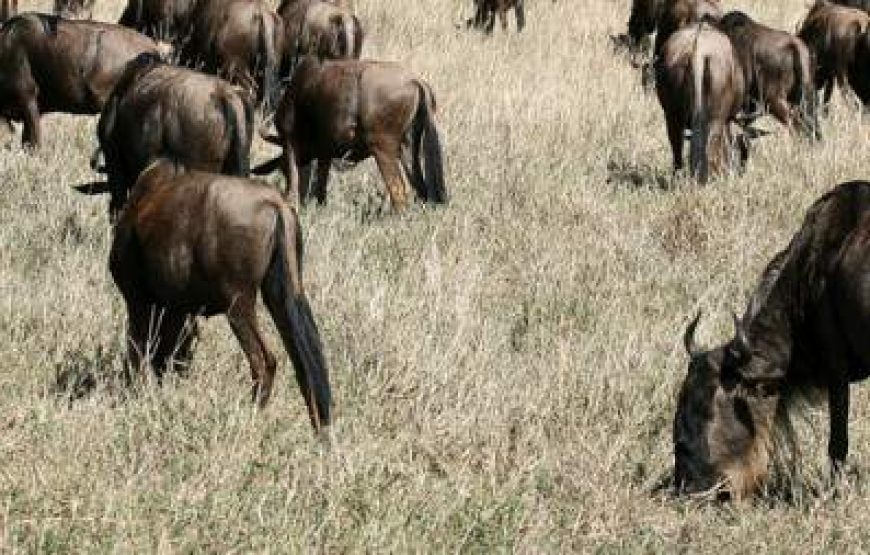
(724, 418)
(643, 19)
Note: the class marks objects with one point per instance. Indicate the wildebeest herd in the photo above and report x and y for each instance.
(182, 87)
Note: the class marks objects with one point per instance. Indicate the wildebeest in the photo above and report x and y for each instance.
(777, 69)
(700, 85)
(832, 33)
(676, 14)
(167, 20)
(324, 29)
(8, 8)
(350, 109)
(48, 64)
(804, 331)
(193, 243)
(486, 10)
(159, 110)
(74, 9)
(240, 40)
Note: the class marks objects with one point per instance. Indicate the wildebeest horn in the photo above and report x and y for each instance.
(689, 336)
(93, 188)
(741, 340)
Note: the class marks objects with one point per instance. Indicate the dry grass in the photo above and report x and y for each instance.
(504, 368)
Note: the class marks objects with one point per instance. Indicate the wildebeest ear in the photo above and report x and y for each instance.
(93, 188)
(689, 336)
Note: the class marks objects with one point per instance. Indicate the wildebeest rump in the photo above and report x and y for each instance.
(805, 330)
(676, 14)
(162, 111)
(777, 69)
(162, 19)
(486, 10)
(192, 243)
(240, 40)
(48, 64)
(321, 28)
(351, 110)
(700, 85)
(832, 33)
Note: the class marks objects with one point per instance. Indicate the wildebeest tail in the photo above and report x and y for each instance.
(804, 94)
(283, 296)
(238, 157)
(269, 58)
(433, 157)
(700, 118)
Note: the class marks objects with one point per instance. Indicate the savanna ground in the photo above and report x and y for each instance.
(504, 368)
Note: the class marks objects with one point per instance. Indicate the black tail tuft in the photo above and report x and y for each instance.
(433, 157)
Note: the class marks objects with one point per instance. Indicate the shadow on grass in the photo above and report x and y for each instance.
(82, 373)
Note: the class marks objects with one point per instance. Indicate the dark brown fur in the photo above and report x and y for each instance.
(352, 110)
(676, 14)
(8, 9)
(832, 33)
(805, 330)
(321, 28)
(190, 244)
(240, 40)
(700, 86)
(167, 20)
(486, 10)
(48, 64)
(158, 110)
(777, 69)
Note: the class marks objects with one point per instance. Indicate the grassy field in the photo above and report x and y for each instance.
(505, 368)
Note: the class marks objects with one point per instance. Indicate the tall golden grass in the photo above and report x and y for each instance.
(504, 368)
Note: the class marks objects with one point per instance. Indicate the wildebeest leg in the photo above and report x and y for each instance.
(291, 175)
(502, 17)
(243, 321)
(391, 172)
(304, 172)
(838, 414)
(323, 166)
(31, 135)
(138, 327)
(520, 12)
(675, 136)
(718, 148)
(177, 331)
(781, 110)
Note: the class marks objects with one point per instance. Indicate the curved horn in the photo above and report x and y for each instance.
(689, 336)
(741, 340)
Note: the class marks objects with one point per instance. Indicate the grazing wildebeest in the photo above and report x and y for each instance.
(351, 110)
(804, 331)
(777, 69)
(48, 64)
(194, 243)
(324, 29)
(832, 33)
(700, 86)
(159, 110)
(167, 20)
(486, 10)
(240, 40)
(8, 9)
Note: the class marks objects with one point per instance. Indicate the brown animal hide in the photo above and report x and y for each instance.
(676, 14)
(778, 71)
(832, 34)
(193, 243)
(321, 28)
(803, 331)
(8, 9)
(158, 110)
(352, 110)
(700, 86)
(167, 20)
(50, 64)
(240, 40)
